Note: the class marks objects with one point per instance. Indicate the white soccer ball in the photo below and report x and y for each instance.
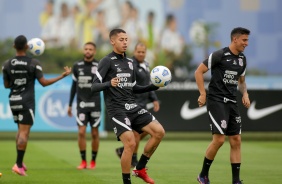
(160, 76)
(36, 46)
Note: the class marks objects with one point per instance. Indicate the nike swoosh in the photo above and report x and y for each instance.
(254, 113)
(187, 113)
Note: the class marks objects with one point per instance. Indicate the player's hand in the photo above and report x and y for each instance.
(246, 101)
(156, 106)
(67, 71)
(202, 100)
(114, 81)
(69, 112)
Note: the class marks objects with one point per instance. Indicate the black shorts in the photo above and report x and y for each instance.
(93, 117)
(25, 117)
(126, 121)
(224, 118)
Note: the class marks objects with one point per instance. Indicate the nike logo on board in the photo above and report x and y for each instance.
(187, 113)
(254, 113)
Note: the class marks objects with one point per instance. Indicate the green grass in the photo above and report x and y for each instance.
(175, 162)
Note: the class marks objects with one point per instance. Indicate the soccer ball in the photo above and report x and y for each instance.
(160, 76)
(36, 46)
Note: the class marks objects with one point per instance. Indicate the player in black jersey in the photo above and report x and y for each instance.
(88, 103)
(142, 72)
(19, 74)
(116, 77)
(228, 69)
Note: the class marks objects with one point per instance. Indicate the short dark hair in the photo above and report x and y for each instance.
(239, 31)
(90, 43)
(140, 44)
(20, 42)
(115, 32)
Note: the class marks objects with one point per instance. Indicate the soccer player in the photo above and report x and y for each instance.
(88, 103)
(228, 69)
(142, 72)
(19, 74)
(116, 77)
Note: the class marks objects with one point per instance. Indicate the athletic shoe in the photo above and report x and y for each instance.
(83, 165)
(119, 151)
(203, 180)
(143, 175)
(92, 165)
(238, 182)
(19, 170)
(24, 167)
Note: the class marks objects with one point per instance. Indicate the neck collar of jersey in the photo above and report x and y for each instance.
(119, 56)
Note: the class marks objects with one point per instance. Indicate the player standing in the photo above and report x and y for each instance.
(19, 74)
(142, 72)
(228, 69)
(116, 77)
(88, 103)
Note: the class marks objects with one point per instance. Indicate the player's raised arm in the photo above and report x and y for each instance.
(46, 82)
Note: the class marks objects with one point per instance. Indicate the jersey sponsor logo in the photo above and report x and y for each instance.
(86, 104)
(95, 114)
(123, 75)
(14, 107)
(20, 82)
(53, 107)
(187, 113)
(130, 106)
(225, 100)
(119, 70)
(255, 114)
(228, 77)
(142, 111)
(17, 62)
(15, 98)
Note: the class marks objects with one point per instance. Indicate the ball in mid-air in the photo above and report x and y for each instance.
(160, 76)
(36, 46)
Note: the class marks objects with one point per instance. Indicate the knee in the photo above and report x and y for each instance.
(81, 134)
(130, 145)
(159, 134)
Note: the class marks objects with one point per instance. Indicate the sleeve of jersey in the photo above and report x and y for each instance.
(38, 69)
(72, 92)
(153, 96)
(213, 59)
(98, 81)
(5, 73)
(143, 89)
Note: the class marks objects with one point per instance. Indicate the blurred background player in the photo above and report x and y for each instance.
(88, 103)
(228, 68)
(19, 74)
(142, 73)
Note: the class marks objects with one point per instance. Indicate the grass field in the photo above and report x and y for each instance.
(175, 162)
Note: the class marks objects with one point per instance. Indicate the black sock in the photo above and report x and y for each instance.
(94, 154)
(20, 155)
(206, 167)
(126, 178)
(142, 162)
(83, 154)
(235, 171)
(134, 157)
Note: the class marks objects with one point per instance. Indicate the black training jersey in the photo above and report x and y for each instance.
(83, 75)
(142, 72)
(21, 72)
(120, 97)
(226, 68)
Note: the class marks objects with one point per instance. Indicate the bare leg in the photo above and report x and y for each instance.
(128, 141)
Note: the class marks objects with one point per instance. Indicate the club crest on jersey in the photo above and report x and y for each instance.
(94, 69)
(130, 65)
(240, 61)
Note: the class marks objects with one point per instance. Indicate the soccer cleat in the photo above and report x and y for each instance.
(92, 165)
(19, 170)
(238, 182)
(119, 152)
(24, 167)
(83, 165)
(203, 180)
(143, 175)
